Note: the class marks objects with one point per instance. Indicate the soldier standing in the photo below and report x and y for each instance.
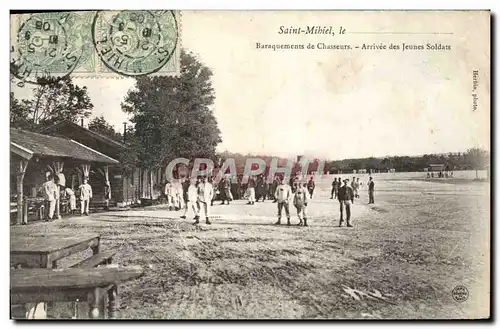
(335, 189)
(310, 187)
(371, 189)
(205, 195)
(260, 189)
(345, 197)
(283, 195)
(85, 196)
(300, 203)
(50, 193)
(190, 198)
(251, 190)
(225, 190)
(353, 186)
(273, 188)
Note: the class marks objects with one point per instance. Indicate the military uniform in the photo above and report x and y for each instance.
(205, 195)
(300, 203)
(283, 195)
(225, 190)
(371, 189)
(310, 187)
(251, 190)
(85, 196)
(346, 195)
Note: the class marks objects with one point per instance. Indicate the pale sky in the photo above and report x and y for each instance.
(330, 103)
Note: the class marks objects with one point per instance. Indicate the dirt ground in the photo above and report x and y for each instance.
(401, 260)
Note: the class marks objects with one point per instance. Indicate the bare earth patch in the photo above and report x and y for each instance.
(401, 260)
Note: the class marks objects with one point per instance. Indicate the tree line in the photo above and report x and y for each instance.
(472, 159)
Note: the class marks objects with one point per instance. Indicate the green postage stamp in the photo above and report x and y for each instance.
(94, 44)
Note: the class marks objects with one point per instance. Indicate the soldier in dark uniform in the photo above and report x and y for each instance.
(259, 189)
(273, 187)
(235, 190)
(335, 189)
(310, 187)
(295, 184)
(225, 190)
(371, 189)
(251, 190)
(345, 196)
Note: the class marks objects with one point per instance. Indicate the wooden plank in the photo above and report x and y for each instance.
(27, 261)
(103, 257)
(47, 244)
(47, 280)
(93, 244)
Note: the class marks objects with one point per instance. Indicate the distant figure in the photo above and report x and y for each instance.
(273, 188)
(190, 198)
(85, 196)
(353, 186)
(428, 175)
(205, 194)
(225, 190)
(49, 191)
(251, 190)
(371, 189)
(310, 187)
(356, 188)
(300, 203)
(346, 195)
(169, 194)
(107, 194)
(57, 181)
(260, 189)
(283, 195)
(332, 192)
(179, 199)
(72, 199)
(432, 175)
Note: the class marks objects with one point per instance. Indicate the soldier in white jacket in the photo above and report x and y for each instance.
(205, 194)
(300, 203)
(179, 202)
(283, 195)
(191, 199)
(169, 194)
(50, 191)
(85, 196)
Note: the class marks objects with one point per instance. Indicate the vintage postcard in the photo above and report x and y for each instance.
(170, 164)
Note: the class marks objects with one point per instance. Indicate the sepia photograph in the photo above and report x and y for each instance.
(250, 165)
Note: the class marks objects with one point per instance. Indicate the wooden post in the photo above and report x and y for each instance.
(20, 195)
(113, 302)
(25, 210)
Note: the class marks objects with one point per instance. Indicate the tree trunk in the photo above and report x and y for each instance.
(151, 184)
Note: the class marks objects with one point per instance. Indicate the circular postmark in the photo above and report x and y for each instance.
(460, 294)
(135, 43)
(45, 49)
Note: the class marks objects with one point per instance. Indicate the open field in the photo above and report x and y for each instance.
(402, 258)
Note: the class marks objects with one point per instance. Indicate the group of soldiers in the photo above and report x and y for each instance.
(54, 190)
(199, 195)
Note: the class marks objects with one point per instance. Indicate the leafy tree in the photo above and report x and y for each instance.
(52, 102)
(19, 113)
(100, 125)
(172, 115)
